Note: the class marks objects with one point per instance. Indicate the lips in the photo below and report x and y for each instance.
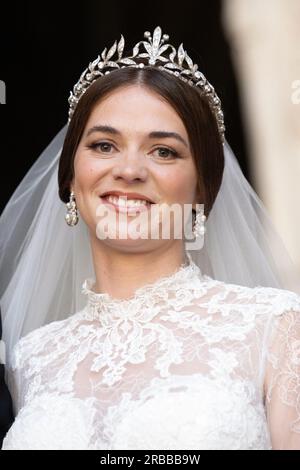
(126, 209)
(127, 195)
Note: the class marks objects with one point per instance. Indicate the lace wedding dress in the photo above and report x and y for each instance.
(188, 362)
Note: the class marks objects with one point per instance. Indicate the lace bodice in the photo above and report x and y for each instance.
(188, 362)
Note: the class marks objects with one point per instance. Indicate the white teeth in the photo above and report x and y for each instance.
(122, 201)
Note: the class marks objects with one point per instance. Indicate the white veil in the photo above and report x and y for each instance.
(44, 262)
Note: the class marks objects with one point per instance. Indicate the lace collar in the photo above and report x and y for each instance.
(149, 294)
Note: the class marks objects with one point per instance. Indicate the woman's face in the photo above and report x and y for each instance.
(134, 142)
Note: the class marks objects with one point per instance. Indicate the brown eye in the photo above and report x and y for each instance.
(165, 152)
(104, 147)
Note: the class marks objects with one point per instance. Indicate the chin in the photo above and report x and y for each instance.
(130, 244)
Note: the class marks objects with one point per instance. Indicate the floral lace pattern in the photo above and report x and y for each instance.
(187, 362)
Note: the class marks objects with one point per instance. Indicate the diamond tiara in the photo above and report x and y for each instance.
(181, 66)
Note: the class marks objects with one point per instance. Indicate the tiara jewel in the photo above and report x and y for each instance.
(177, 63)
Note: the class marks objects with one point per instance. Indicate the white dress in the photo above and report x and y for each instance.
(188, 362)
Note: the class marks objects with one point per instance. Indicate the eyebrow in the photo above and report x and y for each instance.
(152, 135)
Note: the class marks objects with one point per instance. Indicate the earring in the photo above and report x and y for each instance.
(199, 228)
(71, 216)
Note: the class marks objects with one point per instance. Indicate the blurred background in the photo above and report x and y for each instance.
(248, 49)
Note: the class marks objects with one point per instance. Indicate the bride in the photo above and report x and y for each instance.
(186, 341)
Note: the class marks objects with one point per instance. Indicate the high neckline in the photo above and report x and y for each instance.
(185, 272)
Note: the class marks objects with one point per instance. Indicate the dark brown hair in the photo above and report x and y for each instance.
(186, 100)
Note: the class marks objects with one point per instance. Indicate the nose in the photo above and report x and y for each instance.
(130, 167)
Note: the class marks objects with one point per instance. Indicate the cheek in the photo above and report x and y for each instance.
(180, 184)
(86, 172)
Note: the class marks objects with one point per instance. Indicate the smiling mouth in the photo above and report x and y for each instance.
(125, 205)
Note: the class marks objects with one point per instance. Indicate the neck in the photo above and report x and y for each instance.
(120, 273)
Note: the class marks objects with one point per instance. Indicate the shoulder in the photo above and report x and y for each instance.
(281, 300)
(42, 340)
(259, 299)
